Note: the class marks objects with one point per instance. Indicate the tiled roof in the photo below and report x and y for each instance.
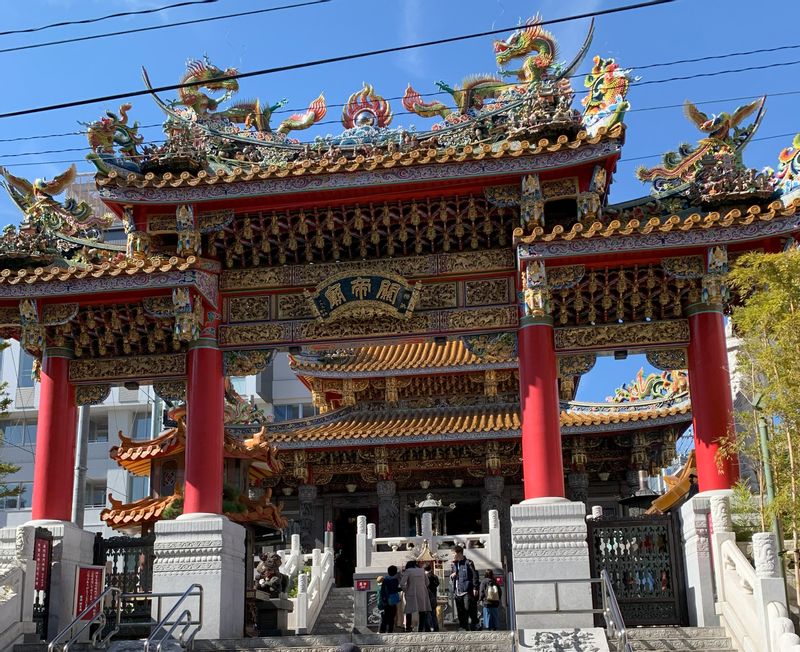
(136, 456)
(378, 161)
(148, 510)
(734, 217)
(679, 485)
(407, 357)
(387, 423)
(125, 266)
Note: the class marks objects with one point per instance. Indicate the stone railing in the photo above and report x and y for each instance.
(751, 602)
(16, 585)
(375, 554)
(312, 588)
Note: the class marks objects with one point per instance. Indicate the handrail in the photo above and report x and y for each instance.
(99, 618)
(615, 624)
(192, 591)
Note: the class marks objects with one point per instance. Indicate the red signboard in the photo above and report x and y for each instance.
(89, 583)
(362, 585)
(41, 555)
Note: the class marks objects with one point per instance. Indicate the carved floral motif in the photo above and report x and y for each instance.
(576, 365)
(245, 363)
(243, 309)
(91, 394)
(668, 359)
(486, 292)
(136, 368)
(171, 390)
(437, 295)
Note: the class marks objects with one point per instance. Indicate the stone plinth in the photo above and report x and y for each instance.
(72, 546)
(548, 542)
(272, 614)
(209, 550)
(696, 539)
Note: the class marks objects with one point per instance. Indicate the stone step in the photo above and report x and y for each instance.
(410, 642)
(676, 632)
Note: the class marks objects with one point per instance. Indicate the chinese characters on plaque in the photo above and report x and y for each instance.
(386, 293)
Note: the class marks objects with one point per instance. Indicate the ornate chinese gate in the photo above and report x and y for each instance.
(129, 567)
(642, 556)
(43, 556)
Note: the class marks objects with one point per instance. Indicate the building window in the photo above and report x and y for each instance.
(98, 429)
(21, 501)
(138, 487)
(96, 494)
(141, 426)
(287, 412)
(308, 410)
(25, 375)
(19, 432)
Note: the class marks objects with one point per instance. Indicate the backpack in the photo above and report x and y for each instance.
(492, 594)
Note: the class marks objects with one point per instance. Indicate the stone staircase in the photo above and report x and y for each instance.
(678, 639)
(336, 615)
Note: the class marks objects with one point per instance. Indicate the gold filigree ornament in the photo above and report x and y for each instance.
(91, 394)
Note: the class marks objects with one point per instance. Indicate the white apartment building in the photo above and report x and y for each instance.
(135, 412)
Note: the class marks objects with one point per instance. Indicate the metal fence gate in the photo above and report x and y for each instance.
(129, 567)
(43, 557)
(643, 557)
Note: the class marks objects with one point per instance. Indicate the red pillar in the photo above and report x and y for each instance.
(204, 430)
(55, 439)
(710, 388)
(542, 464)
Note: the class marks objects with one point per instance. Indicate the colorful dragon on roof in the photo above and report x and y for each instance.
(535, 45)
(538, 50)
(787, 176)
(54, 231)
(605, 103)
(724, 141)
(664, 385)
(254, 115)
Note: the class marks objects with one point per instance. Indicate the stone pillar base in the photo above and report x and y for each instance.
(698, 563)
(209, 550)
(72, 547)
(548, 542)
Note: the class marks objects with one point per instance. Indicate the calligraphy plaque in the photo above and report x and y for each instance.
(363, 295)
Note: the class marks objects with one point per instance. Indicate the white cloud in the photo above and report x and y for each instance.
(411, 18)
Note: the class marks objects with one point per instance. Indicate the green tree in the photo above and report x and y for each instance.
(768, 322)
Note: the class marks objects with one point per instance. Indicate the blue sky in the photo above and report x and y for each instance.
(684, 29)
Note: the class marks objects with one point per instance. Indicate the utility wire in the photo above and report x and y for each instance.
(97, 19)
(435, 93)
(152, 28)
(319, 62)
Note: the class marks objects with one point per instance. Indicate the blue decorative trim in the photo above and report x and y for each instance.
(392, 176)
(123, 282)
(671, 240)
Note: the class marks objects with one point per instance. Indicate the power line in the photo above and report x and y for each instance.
(319, 62)
(97, 19)
(435, 93)
(195, 21)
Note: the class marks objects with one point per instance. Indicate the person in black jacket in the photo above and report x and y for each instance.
(489, 596)
(433, 590)
(464, 584)
(389, 598)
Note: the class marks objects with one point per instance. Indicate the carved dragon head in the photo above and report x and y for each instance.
(524, 40)
(212, 76)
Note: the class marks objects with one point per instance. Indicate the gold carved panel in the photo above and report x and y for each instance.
(248, 309)
(560, 188)
(140, 367)
(255, 334)
(611, 336)
(438, 295)
(258, 277)
(380, 325)
(487, 292)
(478, 261)
(293, 306)
(481, 318)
